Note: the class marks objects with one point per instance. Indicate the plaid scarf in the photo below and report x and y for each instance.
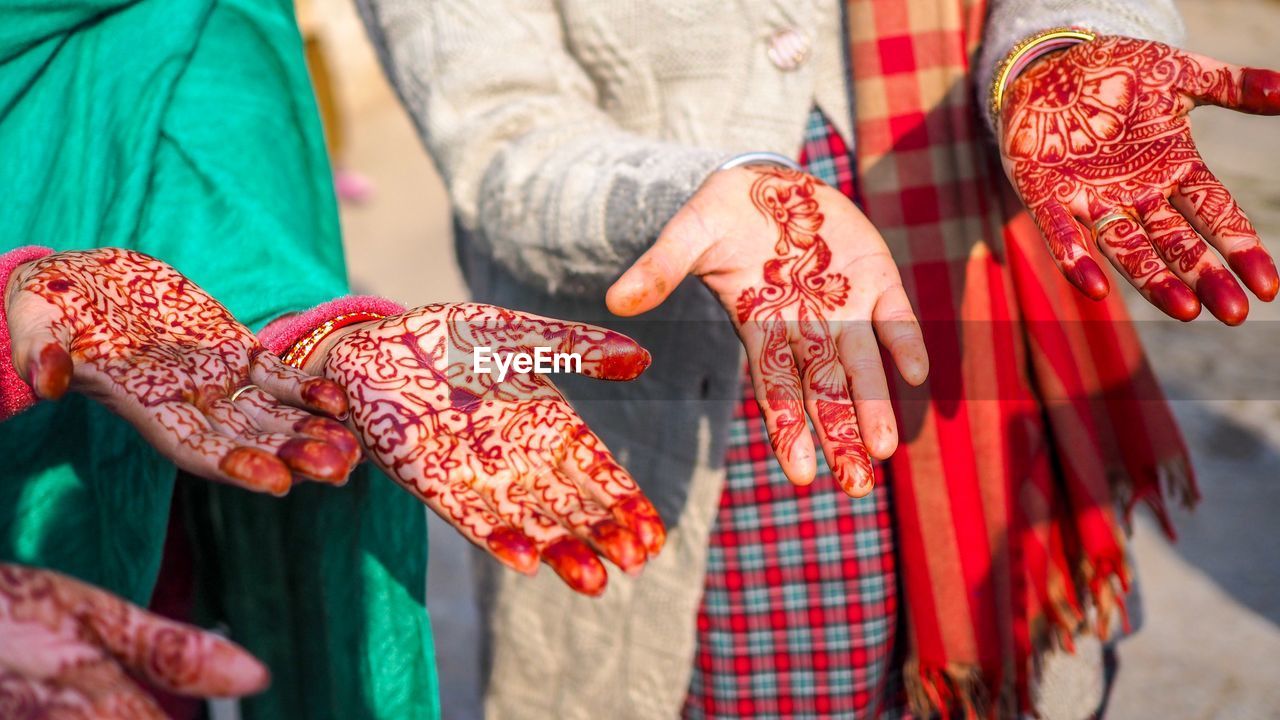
(1041, 416)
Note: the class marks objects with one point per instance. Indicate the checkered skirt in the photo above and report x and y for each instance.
(800, 606)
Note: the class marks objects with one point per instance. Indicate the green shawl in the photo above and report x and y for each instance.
(186, 129)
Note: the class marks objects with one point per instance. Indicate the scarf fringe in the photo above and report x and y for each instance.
(962, 687)
(1171, 479)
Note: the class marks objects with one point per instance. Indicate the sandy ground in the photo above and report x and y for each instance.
(1210, 638)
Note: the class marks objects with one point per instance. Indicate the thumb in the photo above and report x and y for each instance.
(42, 360)
(664, 266)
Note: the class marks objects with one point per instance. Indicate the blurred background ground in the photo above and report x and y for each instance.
(1209, 646)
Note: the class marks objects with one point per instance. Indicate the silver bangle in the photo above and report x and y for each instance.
(760, 158)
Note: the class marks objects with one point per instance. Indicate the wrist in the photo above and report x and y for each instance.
(759, 158)
(319, 355)
(1027, 52)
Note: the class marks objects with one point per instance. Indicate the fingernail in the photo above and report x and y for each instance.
(257, 469)
(325, 396)
(620, 545)
(1220, 292)
(1258, 271)
(51, 374)
(637, 513)
(574, 562)
(1088, 277)
(624, 359)
(315, 459)
(333, 433)
(234, 672)
(1175, 299)
(513, 549)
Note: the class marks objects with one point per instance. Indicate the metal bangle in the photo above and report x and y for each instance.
(760, 158)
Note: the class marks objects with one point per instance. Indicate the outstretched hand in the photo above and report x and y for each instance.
(1098, 134)
(501, 456)
(811, 288)
(68, 650)
(138, 336)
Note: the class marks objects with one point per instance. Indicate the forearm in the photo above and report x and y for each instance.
(1010, 21)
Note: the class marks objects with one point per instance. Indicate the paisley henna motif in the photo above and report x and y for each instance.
(1102, 128)
(67, 650)
(506, 460)
(137, 335)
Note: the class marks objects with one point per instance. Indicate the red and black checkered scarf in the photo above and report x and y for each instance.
(1041, 424)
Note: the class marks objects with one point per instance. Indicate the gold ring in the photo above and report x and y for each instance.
(235, 395)
(1108, 219)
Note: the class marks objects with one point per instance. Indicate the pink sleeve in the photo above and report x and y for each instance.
(279, 335)
(15, 393)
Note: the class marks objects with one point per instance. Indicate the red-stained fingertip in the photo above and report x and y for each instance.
(50, 372)
(325, 396)
(315, 459)
(1260, 91)
(623, 359)
(514, 550)
(574, 562)
(620, 545)
(637, 513)
(258, 470)
(1089, 278)
(1175, 299)
(333, 433)
(1222, 295)
(1257, 270)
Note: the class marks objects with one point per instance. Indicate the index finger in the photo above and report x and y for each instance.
(1245, 89)
(593, 351)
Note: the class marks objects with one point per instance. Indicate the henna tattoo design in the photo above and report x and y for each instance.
(505, 460)
(1102, 128)
(801, 290)
(68, 650)
(135, 334)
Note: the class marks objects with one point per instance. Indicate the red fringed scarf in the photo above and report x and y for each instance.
(1041, 416)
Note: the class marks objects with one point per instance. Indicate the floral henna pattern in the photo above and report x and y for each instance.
(68, 650)
(1101, 130)
(800, 291)
(505, 460)
(137, 335)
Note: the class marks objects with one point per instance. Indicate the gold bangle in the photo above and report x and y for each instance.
(298, 355)
(1062, 36)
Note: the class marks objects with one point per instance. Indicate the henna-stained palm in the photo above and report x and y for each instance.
(1102, 128)
(70, 651)
(138, 336)
(505, 460)
(810, 285)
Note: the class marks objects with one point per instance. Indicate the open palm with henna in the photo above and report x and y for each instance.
(135, 334)
(1098, 134)
(69, 651)
(811, 287)
(500, 455)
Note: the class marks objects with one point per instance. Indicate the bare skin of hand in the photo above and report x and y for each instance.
(1102, 128)
(505, 460)
(813, 292)
(69, 651)
(135, 334)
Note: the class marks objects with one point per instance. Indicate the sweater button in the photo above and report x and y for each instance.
(788, 48)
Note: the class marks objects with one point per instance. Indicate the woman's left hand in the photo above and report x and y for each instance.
(501, 456)
(1098, 134)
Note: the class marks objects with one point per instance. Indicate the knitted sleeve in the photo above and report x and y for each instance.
(540, 177)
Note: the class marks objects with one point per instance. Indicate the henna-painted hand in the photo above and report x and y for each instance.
(71, 652)
(1102, 128)
(810, 285)
(133, 333)
(504, 459)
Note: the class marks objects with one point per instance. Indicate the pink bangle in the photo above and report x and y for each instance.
(283, 333)
(15, 394)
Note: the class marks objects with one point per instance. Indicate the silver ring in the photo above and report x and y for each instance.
(236, 395)
(1108, 219)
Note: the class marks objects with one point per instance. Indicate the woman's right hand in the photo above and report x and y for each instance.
(811, 287)
(135, 334)
(72, 651)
